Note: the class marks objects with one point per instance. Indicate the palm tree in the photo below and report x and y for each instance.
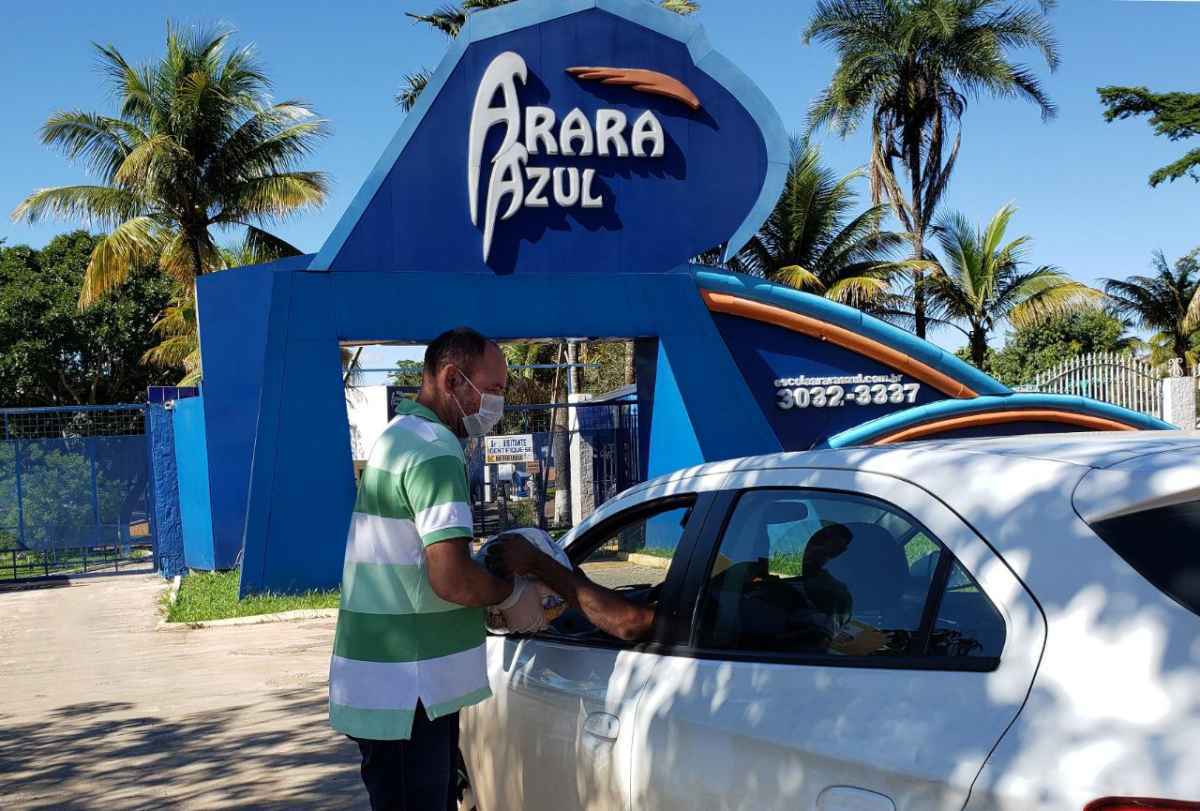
(982, 283)
(1167, 302)
(911, 66)
(811, 242)
(450, 19)
(196, 145)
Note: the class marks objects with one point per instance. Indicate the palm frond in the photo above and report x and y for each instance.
(134, 243)
(414, 85)
(96, 206)
(272, 196)
(682, 7)
(799, 278)
(100, 141)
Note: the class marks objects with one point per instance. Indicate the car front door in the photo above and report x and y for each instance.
(854, 645)
(556, 736)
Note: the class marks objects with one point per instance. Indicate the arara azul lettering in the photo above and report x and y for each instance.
(512, 182)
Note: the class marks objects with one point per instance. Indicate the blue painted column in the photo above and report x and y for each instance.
(164, 491)
(195, 505)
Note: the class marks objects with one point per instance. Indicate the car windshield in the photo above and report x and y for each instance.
(1163, 545)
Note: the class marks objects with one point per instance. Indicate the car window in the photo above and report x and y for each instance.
(967, 623)
(637, 553)
(817, 572)
(1160, 544)
(631, 556)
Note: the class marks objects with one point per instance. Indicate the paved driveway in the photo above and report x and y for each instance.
(98, 709)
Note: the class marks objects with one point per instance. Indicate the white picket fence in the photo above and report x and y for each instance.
(1118, 379)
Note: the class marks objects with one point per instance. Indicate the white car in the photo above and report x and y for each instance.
(983, 624)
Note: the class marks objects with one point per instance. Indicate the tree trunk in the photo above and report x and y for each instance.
(572, 367)
(919, 319)
(560, 449)
(630, 364)
(978, 347)
(1182, 344)
(193, 241)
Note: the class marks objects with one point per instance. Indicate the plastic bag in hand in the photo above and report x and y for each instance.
(552, 603)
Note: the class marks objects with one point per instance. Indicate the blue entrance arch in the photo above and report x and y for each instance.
(497, 206)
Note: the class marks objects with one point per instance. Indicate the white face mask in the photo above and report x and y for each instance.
(491, 409)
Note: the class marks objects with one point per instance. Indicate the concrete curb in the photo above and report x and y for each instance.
(649, 561)
(254, 619)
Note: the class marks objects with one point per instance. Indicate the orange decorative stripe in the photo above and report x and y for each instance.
(999, 417)
(647, 81)
(847, 339)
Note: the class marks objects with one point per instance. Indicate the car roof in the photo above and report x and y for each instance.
(1083, 449)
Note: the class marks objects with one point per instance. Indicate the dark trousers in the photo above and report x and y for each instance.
(420, 774)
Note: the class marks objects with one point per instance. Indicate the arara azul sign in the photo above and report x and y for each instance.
(603, 136)
(525, 185)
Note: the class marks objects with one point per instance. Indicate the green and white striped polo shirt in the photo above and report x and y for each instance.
(397, 642)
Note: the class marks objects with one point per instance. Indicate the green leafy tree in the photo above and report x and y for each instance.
(1167, 303)
(983, 283)
(909, 67)
(813, 241)
(1038, 347)
(407, 373)
(450, 19)
(56, 355)
(1175, 115)
(196, 146)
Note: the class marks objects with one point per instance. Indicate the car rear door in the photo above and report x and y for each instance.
(557, 735)
(810, 679)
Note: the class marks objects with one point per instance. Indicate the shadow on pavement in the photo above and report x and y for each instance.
(104, 755)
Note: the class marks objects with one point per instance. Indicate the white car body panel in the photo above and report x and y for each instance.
(1100, 669)
(721, 734)
(536, 748)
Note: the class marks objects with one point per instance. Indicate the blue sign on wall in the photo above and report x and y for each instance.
(810, 389)
(579, 143)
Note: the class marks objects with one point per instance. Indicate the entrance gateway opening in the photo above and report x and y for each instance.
(568, 442)
(458, 225)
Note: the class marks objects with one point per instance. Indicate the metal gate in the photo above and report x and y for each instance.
(74, 486)
(602, 439)
(1106, 376)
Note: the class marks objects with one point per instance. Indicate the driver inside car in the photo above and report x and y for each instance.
(606, 609)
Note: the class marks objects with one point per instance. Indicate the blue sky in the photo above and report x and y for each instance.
(1080, 184)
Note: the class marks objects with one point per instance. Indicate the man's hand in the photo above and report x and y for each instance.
(511, 554)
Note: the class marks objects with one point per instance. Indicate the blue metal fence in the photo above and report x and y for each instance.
(73, 489)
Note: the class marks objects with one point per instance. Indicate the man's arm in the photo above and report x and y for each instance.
(604, 608)
(456, 578)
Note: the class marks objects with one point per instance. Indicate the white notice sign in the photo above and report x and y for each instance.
(503, 449)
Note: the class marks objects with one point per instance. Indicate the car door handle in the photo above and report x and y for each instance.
(852, 798)
(602, 725)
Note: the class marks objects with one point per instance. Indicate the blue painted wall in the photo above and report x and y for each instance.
(191, 461)
(765, 353)
(301, 477)
(234, 339)
(164, 490)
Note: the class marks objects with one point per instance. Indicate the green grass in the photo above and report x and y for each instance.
(656, 551)
(786, 564)
(214, 596)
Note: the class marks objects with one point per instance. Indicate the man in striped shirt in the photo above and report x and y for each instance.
(408, 653)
